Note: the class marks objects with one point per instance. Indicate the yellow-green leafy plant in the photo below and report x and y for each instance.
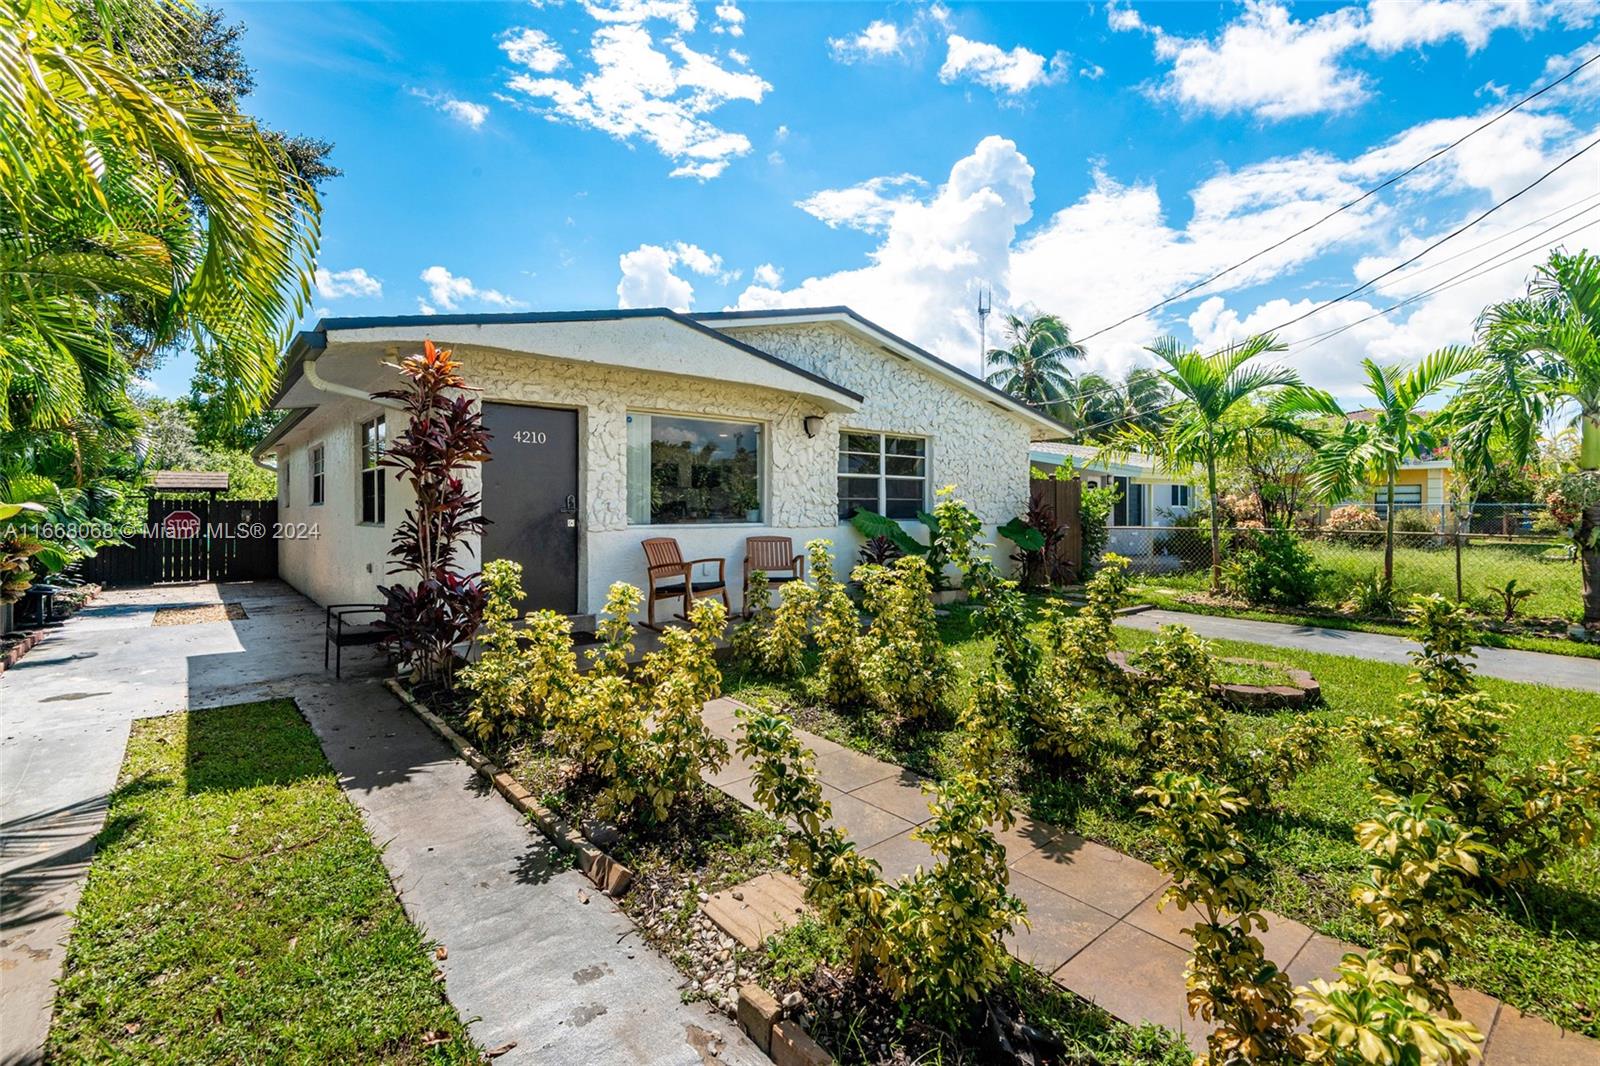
(602, 721)
(1081, 644)
(674, 746)
(836, 634)
(943, 945)
(497, 678)
(1176, 658)
(1232, 985)
(1369, 1015)
(900, 662)
(522, 677)
(1445, 739)
(745, 640)
(1421, 867)
(781, 646)
(935, 939)
(953, 538)
(1178, 728)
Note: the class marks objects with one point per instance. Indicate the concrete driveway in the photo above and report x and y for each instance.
(530, 962)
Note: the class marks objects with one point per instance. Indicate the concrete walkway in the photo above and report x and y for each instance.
(1095, 928)
(1509, 664)
(529, 961)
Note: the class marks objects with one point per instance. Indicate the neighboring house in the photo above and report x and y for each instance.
(1422, 484)
(611, 427)
(1151, 495)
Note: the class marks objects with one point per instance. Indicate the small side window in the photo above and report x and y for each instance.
(373, 435)
(318, 480)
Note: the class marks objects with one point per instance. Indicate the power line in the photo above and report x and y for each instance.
(1347, 206)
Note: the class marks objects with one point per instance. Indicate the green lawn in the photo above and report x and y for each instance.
(1557, 584)
(237, 912)
(1541, 952)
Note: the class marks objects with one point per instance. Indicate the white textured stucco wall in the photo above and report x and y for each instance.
(981, 449)
(346, 561)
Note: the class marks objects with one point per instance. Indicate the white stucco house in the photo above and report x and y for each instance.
(611, 427)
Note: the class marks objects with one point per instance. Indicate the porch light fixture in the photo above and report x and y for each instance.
(813, 424)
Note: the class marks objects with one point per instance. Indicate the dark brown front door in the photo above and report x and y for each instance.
(530, 497)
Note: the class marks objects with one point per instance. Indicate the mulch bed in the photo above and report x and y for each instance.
(209, 612)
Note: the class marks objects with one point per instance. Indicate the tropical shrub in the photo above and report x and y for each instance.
(1414, 520)
(1232, 985)
(600, 723)
(1444, 739)
(1372, 1016)
(745, 639)
(1176, 658)
(444, 433)
(1081, 644)
(1421, 867)
(1510, 598)
(953, 538)
(782, 644)
(900, 663)
(836, 632)
(1373, 596)
(1094, 516)
(935, 939)
(1037, 535)
(878, 551)
(497, 679)
(675, 745)
(1354, 525)
(1276, 568)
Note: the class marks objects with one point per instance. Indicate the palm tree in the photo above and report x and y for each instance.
(1033, 367)
(1202, 427)
(133, 211)
(1373, 451)
(1543, 361)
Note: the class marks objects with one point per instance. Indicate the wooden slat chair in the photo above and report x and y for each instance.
(664, 562)
(775, 556)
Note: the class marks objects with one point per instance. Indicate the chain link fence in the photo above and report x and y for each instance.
(1469, 557)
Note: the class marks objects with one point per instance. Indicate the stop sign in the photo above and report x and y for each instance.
(181, 524)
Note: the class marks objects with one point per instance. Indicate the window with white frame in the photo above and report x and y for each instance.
(683, 470)
(318, 481)
(1129, 508)
(1178, 496)
(882, 472)
(1406, 498)
(373, 435)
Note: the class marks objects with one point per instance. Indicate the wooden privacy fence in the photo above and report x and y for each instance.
(1064, 499)
(194, 540)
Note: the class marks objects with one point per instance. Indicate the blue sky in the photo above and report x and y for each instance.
(1083, 159)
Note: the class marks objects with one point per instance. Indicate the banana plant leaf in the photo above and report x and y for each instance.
(871, 524)
(1022, 535)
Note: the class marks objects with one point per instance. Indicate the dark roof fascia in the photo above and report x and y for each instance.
(280, 430)
(317, 337)
(840, 309)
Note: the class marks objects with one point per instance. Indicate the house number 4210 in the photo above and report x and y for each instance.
(529, 436)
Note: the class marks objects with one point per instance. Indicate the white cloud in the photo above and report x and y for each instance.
(335, 284)
(680, 13)
(1012, 72)
(880, 39)
(463, 111)
(934, 253)
(868, 206)
(767, 276)
(532, 49)
(639, 90)
(448, 292)
(1092, 72)
(648, 280)
(730, 19)
(1270, 64)
(1124, 245)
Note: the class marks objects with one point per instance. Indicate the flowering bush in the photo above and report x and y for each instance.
(1566, 497)
(1355, 526)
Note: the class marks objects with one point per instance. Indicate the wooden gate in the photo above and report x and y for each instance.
(1065, 500)
(194, 540)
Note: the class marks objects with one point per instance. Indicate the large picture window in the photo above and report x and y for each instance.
(883, 473)
(373, 434)
(1406, 498)
(692, 470)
